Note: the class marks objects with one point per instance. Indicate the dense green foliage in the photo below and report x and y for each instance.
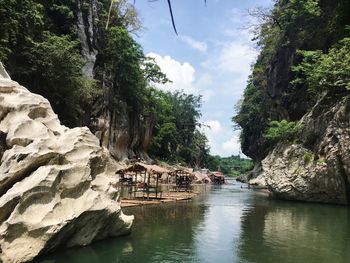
(323, 71)
(119, 67)
(282, 131)
(175, 135)
(304, 51)
(230, 166)
(42, 46)
(252, 115)
(56, 68)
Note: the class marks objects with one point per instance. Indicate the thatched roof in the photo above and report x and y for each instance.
(201, 176)
(218, 174)
(141, 167)
(183, 171)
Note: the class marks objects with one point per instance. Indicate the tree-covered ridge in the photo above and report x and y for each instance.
(231, 166)
(304, 51)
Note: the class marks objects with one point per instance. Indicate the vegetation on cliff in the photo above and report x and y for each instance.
(304, 51)
(47, 46)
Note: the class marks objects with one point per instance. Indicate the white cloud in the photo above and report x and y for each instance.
(182, 75)
(198, 45)
(214, 126)
(207, 95)
(205, 85)
(222, 140)
(236, 58)
(232, 145)
(212, 130)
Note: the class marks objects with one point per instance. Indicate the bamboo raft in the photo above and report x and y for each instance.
(167, 197)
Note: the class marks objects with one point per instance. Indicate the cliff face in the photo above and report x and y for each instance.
(124, 133)
(313, 165)
(317, 170)
(56, 184)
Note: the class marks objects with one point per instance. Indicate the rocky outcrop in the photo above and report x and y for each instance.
(86, 14)
(318, 167)
(124, 134)
(56, 184)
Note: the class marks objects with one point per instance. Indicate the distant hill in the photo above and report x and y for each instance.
(230, 166)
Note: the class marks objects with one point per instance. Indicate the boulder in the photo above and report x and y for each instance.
(294, 173)
(57, 185)
(317, 168)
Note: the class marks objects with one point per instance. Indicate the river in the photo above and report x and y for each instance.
(228, 223)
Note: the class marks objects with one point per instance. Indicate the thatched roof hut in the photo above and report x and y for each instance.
(217, 177)
(201, 177)
(144, 171)
(141, 167)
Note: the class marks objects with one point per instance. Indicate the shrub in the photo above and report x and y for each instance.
(321, 71)
(282, 131)
(307, 157)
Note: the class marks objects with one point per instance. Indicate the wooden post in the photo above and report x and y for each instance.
(157, 187)
(148, 185)
(144, 185)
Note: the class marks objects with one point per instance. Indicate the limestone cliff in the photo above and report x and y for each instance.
(125, 134)
(57, 185)
(314, 169)
(311, 164)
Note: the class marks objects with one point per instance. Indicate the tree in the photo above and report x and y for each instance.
(175, 137)
(119, 68)
(325, 71)
(56, 67)
(282, 131)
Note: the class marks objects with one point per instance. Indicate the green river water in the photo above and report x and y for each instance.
(225, 224)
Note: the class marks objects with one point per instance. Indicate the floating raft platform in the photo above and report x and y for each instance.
(167, 197)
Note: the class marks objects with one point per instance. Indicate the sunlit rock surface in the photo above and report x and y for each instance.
(318, 167)
(57, 185)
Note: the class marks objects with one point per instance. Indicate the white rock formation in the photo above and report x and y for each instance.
(321, 171)
(56, 184)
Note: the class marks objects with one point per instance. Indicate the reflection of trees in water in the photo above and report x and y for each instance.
(159, 233)
(295, 232)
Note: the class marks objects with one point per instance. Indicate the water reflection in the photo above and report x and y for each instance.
(216, 236)
(228, 224)
(160, 234)
(275, 231)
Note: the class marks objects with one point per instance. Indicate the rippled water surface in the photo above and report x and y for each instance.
(226, 224)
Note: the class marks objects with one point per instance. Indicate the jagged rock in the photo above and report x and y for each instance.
(56, 184)
(321, 172)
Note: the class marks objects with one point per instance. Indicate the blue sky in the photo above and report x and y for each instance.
(211, 56)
